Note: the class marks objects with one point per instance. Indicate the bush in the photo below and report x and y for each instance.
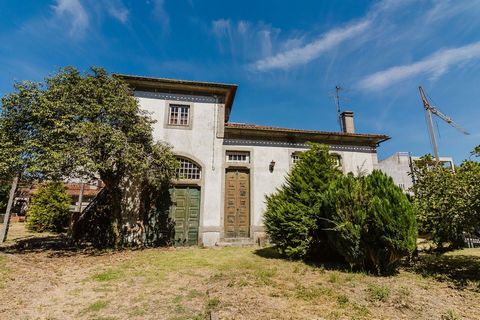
(49, 210)
(368, 220)
(448, 202)
(291, 218)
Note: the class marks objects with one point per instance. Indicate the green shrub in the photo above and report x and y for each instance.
(370, 221)
(49, 210)
(447, 202)
(292, 212)
(318, 212)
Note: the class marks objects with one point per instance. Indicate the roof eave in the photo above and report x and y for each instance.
(212, 88)
(304, 136)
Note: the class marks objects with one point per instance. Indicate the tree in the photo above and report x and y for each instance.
(291, 218)
(476, 151)
(448, 202)
(83, 126)
(4, 193)
(49, 209)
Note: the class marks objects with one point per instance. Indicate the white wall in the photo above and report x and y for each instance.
(201, 144)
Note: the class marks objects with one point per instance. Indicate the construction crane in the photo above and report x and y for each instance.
(428, 111)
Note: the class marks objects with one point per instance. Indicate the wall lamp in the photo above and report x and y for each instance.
(271, 166)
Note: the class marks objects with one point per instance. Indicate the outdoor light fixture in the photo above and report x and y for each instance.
(271, 166)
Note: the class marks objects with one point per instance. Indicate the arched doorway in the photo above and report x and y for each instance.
(185, 195)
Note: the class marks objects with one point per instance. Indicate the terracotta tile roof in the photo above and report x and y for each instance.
(246, 126)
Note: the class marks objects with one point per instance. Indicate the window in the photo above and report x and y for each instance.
(188, 170)
(179, 115)
(295, 157)
(238, 157)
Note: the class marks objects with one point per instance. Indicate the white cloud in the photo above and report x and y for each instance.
(75, 13)
(434, 66)
(161, 14)
(302, 55)
(117, 9)
(249, 39)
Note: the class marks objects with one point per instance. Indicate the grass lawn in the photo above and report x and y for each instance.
(227, 283)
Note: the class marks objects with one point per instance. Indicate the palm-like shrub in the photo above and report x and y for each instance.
(49, 210)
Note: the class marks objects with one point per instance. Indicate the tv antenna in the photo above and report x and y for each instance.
(338, 88)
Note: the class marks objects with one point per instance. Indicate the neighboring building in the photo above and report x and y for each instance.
(399, 167)
(228, 168)
(72, 188)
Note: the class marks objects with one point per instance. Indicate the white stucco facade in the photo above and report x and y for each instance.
(209, 136)
(399, 167)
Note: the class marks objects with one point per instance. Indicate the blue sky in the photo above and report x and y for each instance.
(285, 56)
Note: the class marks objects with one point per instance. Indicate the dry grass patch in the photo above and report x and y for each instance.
(229, 283)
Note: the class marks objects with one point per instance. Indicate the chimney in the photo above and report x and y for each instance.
(347, 122)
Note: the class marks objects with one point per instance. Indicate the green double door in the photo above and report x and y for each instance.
(185, 212)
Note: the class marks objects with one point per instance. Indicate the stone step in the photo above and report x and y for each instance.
(236, 242)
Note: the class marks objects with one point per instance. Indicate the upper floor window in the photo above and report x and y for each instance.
(295, 157)
(179, 115)
(188, 170)
(238, 157)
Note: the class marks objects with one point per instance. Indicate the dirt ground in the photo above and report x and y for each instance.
(43, 279)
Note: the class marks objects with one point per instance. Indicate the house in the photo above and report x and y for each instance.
(226, 168)
(399, 166)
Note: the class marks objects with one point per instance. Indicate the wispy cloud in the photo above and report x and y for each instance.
(73, 12)
(433, 66)
(330, 40)
(305, 54)
(117, 9)
(244, 37)
(160, 13)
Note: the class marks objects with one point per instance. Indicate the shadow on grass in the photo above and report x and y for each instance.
(462, 271)
(329, 262)
(54, 245)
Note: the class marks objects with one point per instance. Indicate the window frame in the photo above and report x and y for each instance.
(229, 153)
(178, 125)
(189, 179)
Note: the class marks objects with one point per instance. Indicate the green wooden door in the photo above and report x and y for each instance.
(185, 212)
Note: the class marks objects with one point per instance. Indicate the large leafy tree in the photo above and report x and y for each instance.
(82, 125)
(4, 193)
(448, 202)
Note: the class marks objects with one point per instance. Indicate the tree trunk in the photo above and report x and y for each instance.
(6, 219)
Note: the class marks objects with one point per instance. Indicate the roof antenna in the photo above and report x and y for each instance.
(337, 101)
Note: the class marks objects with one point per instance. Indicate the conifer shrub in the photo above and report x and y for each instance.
(368, 221)
(291, 218)
(49, 209)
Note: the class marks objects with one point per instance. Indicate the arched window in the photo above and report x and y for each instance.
(188, 170)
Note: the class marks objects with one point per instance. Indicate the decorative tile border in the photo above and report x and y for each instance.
(175, 97)
(232, 142)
